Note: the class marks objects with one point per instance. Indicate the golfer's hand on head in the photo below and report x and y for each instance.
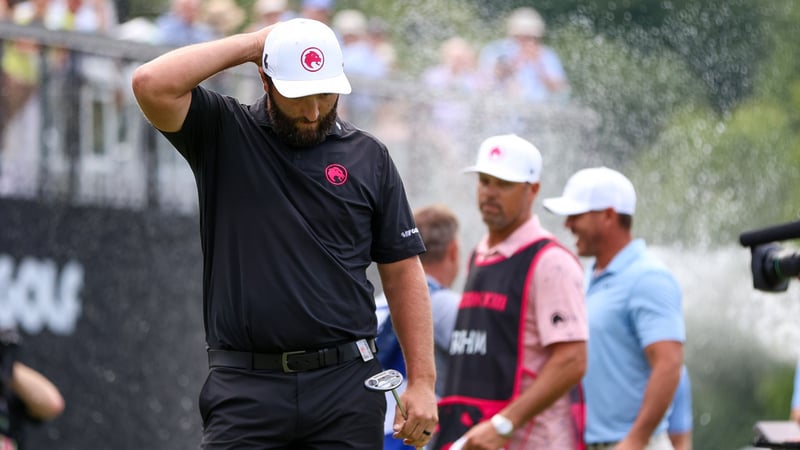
(420, 403)
(259, 36)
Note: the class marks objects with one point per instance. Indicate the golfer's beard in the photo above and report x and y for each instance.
(286, 127)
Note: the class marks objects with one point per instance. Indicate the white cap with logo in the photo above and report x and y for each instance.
(594, 189)
(510, 158)
(303, 57)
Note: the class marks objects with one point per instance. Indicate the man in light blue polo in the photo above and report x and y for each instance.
(636, 327)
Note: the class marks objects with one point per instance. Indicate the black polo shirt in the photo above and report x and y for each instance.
(287, 234)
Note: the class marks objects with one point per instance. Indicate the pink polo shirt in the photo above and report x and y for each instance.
(556, 313)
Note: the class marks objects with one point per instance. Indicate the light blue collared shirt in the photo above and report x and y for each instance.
(633, 303)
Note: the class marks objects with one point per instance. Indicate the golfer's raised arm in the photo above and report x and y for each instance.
(163, 86)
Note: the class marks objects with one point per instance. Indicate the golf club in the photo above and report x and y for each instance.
(385, 381)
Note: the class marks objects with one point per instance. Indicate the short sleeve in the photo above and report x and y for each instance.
(558, 298)
(394, 228)
(655, 308)
(680, 416)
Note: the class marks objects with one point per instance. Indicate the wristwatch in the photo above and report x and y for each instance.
(502, 425)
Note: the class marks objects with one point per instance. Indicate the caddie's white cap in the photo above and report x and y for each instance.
(303, 57)
(594, 189)
(510, 158)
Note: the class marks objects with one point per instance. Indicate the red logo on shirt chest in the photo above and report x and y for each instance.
(336, 174)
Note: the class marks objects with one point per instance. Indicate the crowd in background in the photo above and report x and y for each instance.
(517, 64)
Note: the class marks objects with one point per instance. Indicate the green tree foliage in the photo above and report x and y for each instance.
(635, 92)
(721, 174)
(721, 41)
(713, 177)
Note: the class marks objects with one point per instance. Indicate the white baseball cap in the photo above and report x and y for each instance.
(303, 57)
(510, 158)
(594, 189)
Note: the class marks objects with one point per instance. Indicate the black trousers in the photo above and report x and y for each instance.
(327, 408)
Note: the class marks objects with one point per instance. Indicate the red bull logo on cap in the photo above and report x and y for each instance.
(312, 59)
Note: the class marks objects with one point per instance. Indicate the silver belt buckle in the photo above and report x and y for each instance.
(285, 360)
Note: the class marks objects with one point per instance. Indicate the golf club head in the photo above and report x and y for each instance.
(384, 381)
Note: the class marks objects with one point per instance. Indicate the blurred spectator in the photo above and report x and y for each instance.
(378, 36)
(89, 16)
(457, 68)
(453, 81)
(268, 12)
(20, 62)
(97, 75)
(438, 226)
(182, 24)
(137, 29)
(520, 65)
(26, 396)
(360, 58)
(320, 10)
(361, 62)
(30, 12)
(223, 16)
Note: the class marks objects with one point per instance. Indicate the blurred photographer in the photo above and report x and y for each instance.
(26, 396)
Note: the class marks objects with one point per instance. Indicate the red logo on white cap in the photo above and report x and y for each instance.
(312, 59)
(495, 153)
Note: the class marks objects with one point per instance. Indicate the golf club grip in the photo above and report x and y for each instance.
(399, 404)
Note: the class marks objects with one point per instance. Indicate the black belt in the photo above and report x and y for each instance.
(598, 445)
(298, 361)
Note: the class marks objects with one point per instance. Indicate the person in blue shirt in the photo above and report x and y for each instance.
(438, 228)
(27, 397)
(520, 65)
(183, 25)
(636, 324)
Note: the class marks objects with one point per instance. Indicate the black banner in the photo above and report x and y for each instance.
(109, 306)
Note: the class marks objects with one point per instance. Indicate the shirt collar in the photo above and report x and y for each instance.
(433, 282)
(529, 231)
(625, 257)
